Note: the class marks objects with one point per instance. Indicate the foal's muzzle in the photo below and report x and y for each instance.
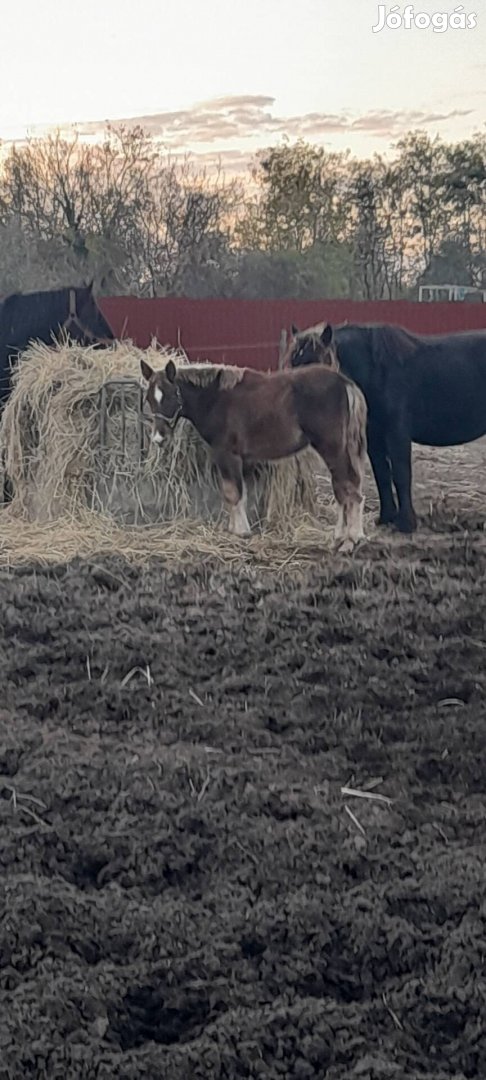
(167, 422)
(164, 425)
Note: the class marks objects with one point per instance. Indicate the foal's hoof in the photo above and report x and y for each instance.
(240, 535)
(349, 544)
(344, 547)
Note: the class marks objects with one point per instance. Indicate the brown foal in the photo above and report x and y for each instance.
(260, 417)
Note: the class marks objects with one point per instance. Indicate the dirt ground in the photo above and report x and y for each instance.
(186, 889)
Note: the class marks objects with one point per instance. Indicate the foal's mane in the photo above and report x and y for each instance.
(205, 374)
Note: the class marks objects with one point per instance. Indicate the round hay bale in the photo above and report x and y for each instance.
(74, 438)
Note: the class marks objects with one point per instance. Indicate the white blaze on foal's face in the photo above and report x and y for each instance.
(167, 393)
(158, 397)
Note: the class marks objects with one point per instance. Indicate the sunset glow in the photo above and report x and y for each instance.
(221, 78)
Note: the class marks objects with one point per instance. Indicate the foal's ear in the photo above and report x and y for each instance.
(147, 371)
(326, 336)
(170, 371)
(294, 330)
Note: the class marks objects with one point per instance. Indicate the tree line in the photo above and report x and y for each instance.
(305, 223)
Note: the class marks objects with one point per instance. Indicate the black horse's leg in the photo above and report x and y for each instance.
(400, 453)
(382, 473)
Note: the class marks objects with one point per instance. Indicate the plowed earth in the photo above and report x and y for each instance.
(186, 890)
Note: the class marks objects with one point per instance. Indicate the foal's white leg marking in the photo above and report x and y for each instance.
(347, 541)
(241, 525)
(356, 530)
(351, 520)
(358, 519)
(339, 528)
(157, 437)
(353, 532)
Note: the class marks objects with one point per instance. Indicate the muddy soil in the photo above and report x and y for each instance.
(186, 890)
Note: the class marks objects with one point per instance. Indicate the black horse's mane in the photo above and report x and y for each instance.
(396, 334)
(394, 342)
(384, 340)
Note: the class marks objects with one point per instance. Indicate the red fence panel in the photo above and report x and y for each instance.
(247, 332)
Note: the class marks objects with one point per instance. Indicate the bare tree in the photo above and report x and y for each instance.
(313, 223)
(185, 226)
(88, 197)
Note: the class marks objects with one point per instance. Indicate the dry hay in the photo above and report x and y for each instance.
(70, 469)
(94, 535)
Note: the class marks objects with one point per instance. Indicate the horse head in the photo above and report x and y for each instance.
(164, 398)
(85, 322)
(313, 346)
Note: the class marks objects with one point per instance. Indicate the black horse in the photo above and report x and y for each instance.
(429, 390)
(44, 316)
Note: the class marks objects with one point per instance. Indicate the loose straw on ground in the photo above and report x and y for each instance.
(92, 535)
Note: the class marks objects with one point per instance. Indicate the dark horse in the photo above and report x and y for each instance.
(429, 390)
(247, 417)
(44, 316)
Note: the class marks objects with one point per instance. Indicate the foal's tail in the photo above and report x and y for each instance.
(356, 425)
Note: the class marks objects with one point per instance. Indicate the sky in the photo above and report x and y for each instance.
(224, 78)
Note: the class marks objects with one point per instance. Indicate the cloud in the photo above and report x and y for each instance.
(388, 122)
(239, 101)
(222, 132)
(244, 116)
